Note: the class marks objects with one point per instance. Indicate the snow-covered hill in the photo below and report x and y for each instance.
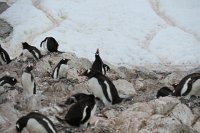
(128, 32)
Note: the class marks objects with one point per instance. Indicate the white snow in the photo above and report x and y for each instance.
(127, 32)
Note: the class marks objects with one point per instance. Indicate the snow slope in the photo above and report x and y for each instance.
(127, 32)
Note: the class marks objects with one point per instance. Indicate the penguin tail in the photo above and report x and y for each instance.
(60, 52)
(61, 120)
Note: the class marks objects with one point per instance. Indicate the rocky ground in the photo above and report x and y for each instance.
(144, 114)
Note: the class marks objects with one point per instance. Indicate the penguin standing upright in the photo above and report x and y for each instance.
(4, 57)
(102, 87)
(31, 51)
(188, 86)
(35, 123)
(28, 82)
(98, 64)
(80, 113)
(61, 69)
(8, 81)
(50, 44)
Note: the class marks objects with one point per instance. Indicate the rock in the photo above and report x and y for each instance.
(197, 125)
(183, 113)
(124, 87)
(3, 6)
(6, 29)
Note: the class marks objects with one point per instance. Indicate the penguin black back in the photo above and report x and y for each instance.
(164, 91)
(5, 58)
(185, 85)
(76, 98)
(8, 80)
(26, 121)
(32, 50)
(51, 44)
(106, 85)
(98, 64)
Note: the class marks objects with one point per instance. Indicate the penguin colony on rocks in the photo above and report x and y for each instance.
(82, 106)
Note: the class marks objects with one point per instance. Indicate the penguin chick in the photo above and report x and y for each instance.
(61, 69)
(80, 113)
(50, 44)
(102, 87)
(4, 56)
(188, 86)
(35, 123)
(31, 51)
(164, 91)
(8, 81)
(28, 82)
(98, 64)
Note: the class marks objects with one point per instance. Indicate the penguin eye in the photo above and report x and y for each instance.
(13, 79)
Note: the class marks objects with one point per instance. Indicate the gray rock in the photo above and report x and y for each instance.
(3, 6)
(6, 29)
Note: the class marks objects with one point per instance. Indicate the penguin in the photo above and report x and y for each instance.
(35, 123)
(61, 69)
(98, 64)
(50, 44)
(8, 81)
(188, 86)
(164, 91)
(78, 97)
(4, 57)
(80, 113)
(102, 87)
(31, 51)
(28, 82)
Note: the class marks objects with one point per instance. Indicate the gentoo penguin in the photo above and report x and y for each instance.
(31, 51)
(80, 113)
(98, 64)
(28, 82)
(61, 69)
(8, 81)
(188, 86)
(102, 87)
(164, 91)
(35, 123)
(50, 44)
(4, 57)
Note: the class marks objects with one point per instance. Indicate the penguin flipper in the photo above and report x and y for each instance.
(3, 56)
(43, 41)
(106, 67)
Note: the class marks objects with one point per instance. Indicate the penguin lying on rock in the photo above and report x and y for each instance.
(8, 81)
(35, 123)
(98, 64)
(31, 51)
(188, 86)
(103, 88)
(50, 44)
(80, 113)
(4, 57)
(61, 69)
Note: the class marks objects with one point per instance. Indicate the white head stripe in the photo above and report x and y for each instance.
(17, 125)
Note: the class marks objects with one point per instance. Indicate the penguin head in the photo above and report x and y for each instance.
(164, 91)
(29, 68)
(97, 52)
(174, 85)
(25, 45)
(12, 81)
(64, 61)
(21, 123)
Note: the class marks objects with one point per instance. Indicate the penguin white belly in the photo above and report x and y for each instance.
(63, 71)
(45, 46)
(27, 84)
(185, 87)
(27, 53)
(97, 90)
(195, 89)
(33, 126)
